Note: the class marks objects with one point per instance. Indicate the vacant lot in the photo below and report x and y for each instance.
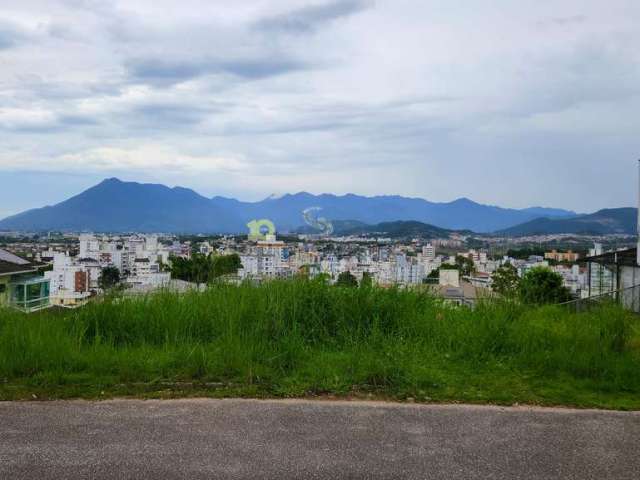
(304, 338)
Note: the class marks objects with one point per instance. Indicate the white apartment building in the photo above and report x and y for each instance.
(573, 278)
(432, 265)
(267, 261)
(70, 281)
(429, 252)
(409, 270)
(249, 266)
(330, 265)
(205, 248)
(386, 272)
(89, 246)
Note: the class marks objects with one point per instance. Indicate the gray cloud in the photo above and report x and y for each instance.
(563, 21)
(168, 115)
(307, 19)
(55, 124)
(167, 72)
(77, 121)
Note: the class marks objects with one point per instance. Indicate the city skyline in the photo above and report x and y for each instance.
(511, 105)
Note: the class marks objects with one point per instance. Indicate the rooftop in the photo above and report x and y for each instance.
(11, 264)
(9, 268)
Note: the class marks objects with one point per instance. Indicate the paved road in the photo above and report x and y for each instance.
(305, 439)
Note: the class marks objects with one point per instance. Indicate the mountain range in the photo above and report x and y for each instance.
(607, 221)
(117, 206)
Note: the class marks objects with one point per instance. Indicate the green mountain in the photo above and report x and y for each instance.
(397, 229)
(604, 222)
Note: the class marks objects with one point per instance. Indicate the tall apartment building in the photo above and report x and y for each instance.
(429, 251)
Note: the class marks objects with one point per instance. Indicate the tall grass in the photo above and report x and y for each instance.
(295, 337)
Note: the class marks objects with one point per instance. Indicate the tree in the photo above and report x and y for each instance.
(506, 280)
(367, 280)
(110, 278)
(434, 274)
(204, 268)
(465, 265)
(304, 271)
(541, 285)
(322, 279)
(225, 265)
(346, 279)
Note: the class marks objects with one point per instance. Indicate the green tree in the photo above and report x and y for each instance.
(109, 278)
(225, 265)
(367, 280)
(204, 268)
(346, 279)
(181, 268)
(541, 285)
(465, 265)
(304, 271)
(434, 274)
(506, 280)
(201, 268)
(322, 278)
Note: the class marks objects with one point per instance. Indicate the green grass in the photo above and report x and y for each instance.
(303, 338)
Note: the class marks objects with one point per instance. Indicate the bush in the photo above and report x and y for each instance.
(109, 278)
(346, 279)
(542, 286)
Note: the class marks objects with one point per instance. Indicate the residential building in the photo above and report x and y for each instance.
(562, 256)
(20, 285)
(71, 281)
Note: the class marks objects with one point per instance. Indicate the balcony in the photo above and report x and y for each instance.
(29, 294)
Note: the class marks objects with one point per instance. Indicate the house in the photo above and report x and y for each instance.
(458, 292)
(20, 285)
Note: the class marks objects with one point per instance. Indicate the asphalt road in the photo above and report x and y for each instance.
(305, 439)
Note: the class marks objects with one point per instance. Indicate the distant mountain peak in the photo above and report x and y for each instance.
(111, 180)
(463, 201)
(274, 196)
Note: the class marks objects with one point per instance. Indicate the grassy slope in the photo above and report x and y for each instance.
(303, 338)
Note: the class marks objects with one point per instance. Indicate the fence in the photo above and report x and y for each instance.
(628, 297)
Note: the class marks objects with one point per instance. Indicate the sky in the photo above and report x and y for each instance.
(508, 103)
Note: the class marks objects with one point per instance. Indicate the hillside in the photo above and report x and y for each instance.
(604, 222)
(398, 229)
(114, 205)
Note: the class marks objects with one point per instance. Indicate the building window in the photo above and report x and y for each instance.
(3, 287)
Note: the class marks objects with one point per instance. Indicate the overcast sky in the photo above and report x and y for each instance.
(515, 103)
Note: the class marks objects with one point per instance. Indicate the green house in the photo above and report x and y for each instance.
(20, 285)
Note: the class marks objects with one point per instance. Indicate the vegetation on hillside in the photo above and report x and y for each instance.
(506, 281)
(204, 268)
(109, 278)
(541, 285)
(300, 338)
